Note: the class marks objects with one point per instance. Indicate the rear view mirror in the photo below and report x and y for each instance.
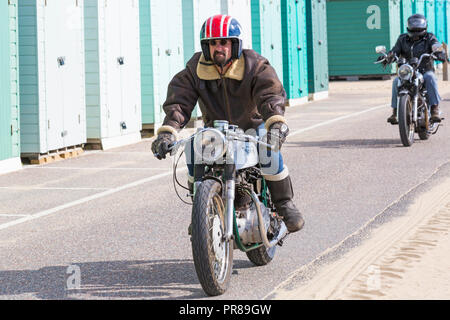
(380, 49)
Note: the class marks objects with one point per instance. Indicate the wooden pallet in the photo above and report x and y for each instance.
(363, 77)
(53, 156)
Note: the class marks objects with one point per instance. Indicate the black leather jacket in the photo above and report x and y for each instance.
(407, 48)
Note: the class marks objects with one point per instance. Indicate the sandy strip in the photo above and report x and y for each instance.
(407, 258)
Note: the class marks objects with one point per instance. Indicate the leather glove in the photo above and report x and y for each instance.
(160, 147)
(390, 57)
(277, 134)
(441, 56)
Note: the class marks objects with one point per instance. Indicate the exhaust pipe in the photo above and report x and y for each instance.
(283, 229)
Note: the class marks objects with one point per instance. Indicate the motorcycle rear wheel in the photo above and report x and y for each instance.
(405, 120)
(261, 256)
(213, 256)
(424, 131)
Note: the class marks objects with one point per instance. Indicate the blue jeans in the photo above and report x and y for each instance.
(271, 162)
(430, 83)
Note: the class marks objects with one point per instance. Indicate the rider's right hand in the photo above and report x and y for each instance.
(160, 147)
(390, 57)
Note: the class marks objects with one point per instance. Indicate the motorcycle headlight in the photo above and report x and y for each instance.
(210, 145)
(405, 72)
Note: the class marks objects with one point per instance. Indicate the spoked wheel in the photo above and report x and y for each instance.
(213, 255)
(405, 120)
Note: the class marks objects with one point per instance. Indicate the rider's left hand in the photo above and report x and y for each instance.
(441, 56)
(277, 134)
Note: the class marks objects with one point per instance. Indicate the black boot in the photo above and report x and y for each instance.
(393, 118)
(435, 114)
(281, 193)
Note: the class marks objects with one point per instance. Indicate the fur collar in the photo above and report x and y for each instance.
(207, 71)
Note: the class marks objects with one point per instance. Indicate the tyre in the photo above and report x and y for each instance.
(423, 134)
(423, 131)
(213, 256)
(261, 256)
(405, 120)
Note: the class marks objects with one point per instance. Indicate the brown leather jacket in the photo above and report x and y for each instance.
(251, 86)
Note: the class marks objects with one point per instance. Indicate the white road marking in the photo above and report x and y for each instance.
(86, 199)
(13, 215)
(158, 176)
(95, 169)
(52, 188)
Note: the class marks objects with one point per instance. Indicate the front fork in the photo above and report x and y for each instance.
(415, 100)
(414, 104)
(230, 186)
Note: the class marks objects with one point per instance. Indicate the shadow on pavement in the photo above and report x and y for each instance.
(159, 279)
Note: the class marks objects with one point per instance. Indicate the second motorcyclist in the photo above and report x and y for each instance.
(414, 43)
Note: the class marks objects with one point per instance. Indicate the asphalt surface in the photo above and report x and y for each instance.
(114, 216)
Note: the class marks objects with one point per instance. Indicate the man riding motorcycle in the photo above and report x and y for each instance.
(414, 43)
(239, 86)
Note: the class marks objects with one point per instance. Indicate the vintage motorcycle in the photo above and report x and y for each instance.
(413, 109)
(232, 208)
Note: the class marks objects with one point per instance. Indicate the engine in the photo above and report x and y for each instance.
(248, 226)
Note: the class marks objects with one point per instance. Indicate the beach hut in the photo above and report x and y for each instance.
(295, 63)
(355, 28)
(113, 84)
(317, 41)
(9, 94)
(266, 32)
(162, 55)
(52, 76)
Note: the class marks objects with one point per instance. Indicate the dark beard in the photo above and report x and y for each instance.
(221, 60)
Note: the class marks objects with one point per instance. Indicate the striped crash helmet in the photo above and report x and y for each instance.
(221, 27)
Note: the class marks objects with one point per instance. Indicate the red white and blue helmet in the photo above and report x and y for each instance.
(221, 27)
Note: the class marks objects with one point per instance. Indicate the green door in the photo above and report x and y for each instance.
(161, 55)
(406, 10)
(317, 46)
(195, 13)
(355, 28)
(430, 14)
(440, 20)
(5, 83)
(419, 6)
(266, 30)
(9, 100)
(295, 65)
(14, 58)
(447, 21)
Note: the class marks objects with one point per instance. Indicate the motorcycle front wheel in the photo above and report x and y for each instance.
(405, 120)
(212, 254)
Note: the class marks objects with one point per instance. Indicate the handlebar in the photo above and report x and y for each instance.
(385, 56)
(174, 146)
(396, 58)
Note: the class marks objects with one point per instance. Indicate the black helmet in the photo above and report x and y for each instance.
(417, 26)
